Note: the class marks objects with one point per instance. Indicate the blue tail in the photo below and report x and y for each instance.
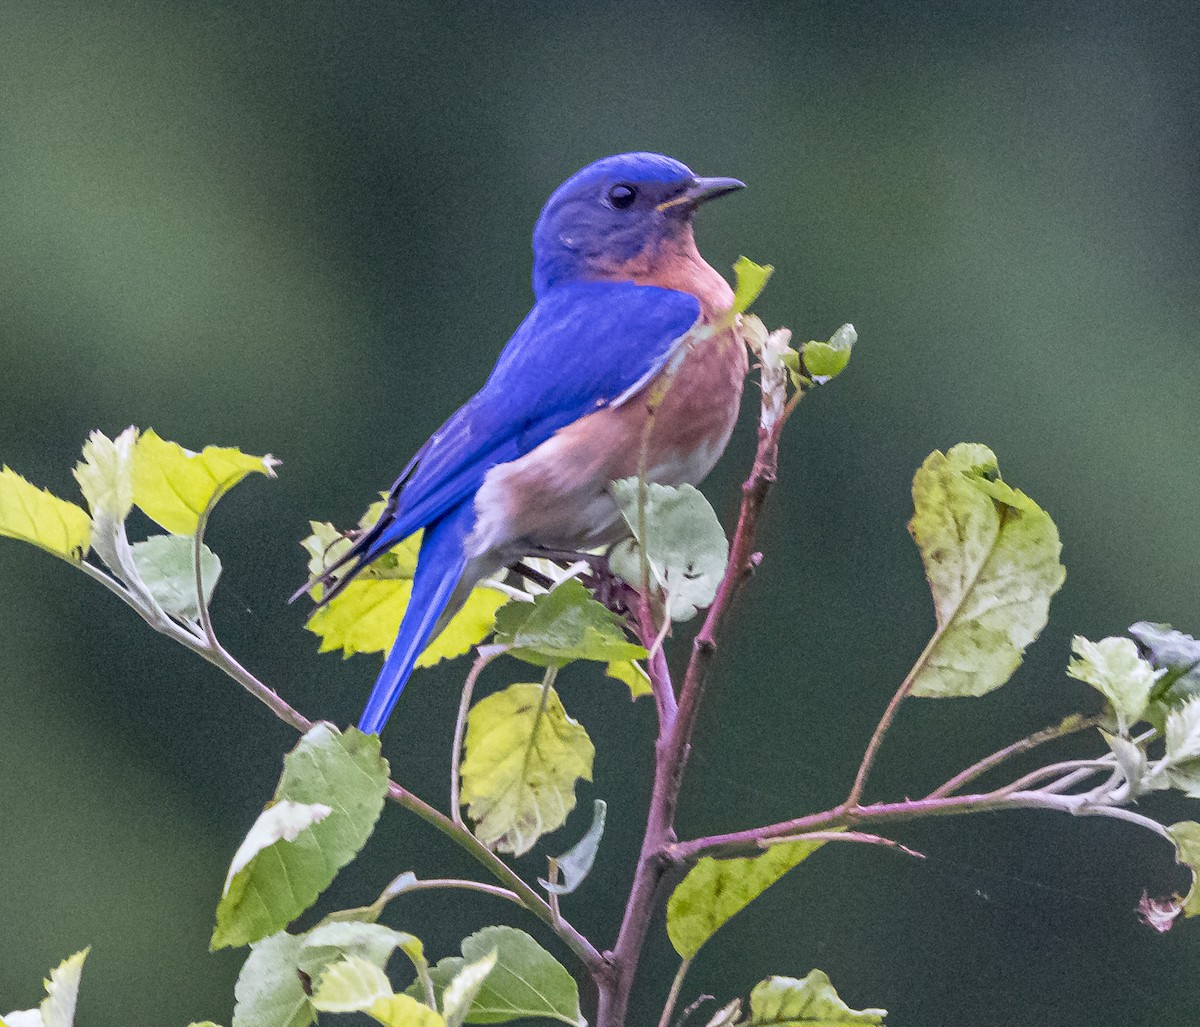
(440, 567)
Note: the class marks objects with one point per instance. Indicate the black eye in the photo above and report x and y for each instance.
(622, 196)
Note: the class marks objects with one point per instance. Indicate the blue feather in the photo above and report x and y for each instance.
(440, 567)
(584, 346)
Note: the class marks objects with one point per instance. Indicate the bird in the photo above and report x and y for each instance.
(524, 466)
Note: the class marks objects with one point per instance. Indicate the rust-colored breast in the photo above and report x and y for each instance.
(557, 496)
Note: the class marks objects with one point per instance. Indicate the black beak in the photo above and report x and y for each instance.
(701, 190)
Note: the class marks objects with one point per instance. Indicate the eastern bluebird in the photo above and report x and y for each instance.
(525, 465)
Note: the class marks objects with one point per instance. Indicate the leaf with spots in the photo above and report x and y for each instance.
(811, 1001)
(684, 542)
(991, 558)
(523, 758)
(716, 889)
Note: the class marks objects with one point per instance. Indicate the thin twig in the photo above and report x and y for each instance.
(843, 836)
(1030, 741)
(220, 658)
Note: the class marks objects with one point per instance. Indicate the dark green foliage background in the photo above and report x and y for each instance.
(303, 228)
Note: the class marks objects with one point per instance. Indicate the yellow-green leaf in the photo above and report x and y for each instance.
(351, 985)
(991, 558)
(825, 360)
(812, 1001)
(40, 517)
(173, 486)
(402, 1011)
(562, 625)
(751, 280)
(526, 982)
(366, 616)
(1186, 835)
(633, 674)
(105, 474)
(716, 889)
(340, 771)
(524, 755)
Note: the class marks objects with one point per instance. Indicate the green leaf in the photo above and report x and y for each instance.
(365, 617)
(716, 889)
(991, 557)
(268, 991)
(34, 515)
(333, 940)
(173, 486)
(1183, 748)
(788, 1002)
(404, 1011)
(57, 1009)
(825, 360)
(632, 674)
(524, 755)
(279, 822)
(527, 981)
(751, 280)
(105, 474)
(343, 771)
(684, 543)
(563, 625)
(1186, 835)
(576, 863)
(1113, 667)
(458, 997)
(166, 566)
(1173, 652)
(351, 985)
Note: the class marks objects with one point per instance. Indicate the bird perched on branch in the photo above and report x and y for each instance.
(524, 466)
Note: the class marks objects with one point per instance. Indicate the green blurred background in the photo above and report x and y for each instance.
(303, 228)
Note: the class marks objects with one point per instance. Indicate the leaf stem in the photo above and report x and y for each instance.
(889, 714)
(198, 569)
(673, 994)
(486, 655)
(429, 884)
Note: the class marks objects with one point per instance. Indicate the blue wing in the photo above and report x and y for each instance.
(584, 346)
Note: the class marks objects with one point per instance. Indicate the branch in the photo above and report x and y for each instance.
(220, 658)
(674, 743)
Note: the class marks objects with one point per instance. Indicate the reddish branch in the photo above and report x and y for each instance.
(676, 723)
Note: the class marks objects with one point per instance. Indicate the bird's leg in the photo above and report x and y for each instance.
(529, 574)
(608, 589)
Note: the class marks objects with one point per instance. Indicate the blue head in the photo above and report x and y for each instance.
(617, 213)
